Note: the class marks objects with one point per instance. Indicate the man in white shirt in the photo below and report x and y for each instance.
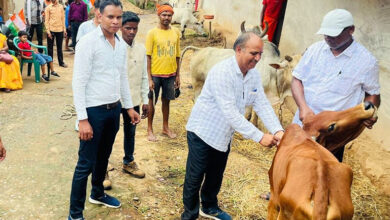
(84, 29)
(139, 87)
(336, 73)
(218, 112)
(91, 24)
(99, 82)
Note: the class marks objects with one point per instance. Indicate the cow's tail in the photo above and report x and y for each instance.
(321, 192)
(186, 49)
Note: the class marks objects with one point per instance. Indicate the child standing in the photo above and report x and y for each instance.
(42, 58)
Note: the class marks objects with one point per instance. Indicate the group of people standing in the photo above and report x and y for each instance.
(114, 75)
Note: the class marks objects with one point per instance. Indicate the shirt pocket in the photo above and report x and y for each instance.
(252, 95)
(341, 85)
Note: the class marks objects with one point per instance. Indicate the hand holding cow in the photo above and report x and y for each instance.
(376, 101)
(85, 130)
(278, 136)
(268, 140)
(370, 122)
(304, 112)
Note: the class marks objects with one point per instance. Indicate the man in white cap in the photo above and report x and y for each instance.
(336, 73)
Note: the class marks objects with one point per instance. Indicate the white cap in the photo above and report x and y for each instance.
(335, 21)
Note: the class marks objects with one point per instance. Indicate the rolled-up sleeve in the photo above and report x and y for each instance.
(304, 66)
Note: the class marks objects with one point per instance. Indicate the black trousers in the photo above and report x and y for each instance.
(129, 136)
(203, 163)
(75, 28)
(58, 37)
(39, 30)
(93, 156)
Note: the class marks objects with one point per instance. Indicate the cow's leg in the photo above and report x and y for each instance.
(183, 29)
(273, 209)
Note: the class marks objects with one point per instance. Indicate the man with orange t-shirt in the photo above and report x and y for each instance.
(270, 13)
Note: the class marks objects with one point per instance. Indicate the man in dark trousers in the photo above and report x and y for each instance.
(55, 29)
(99, 82)
(33, 10)
(78, 13)
(230, 86)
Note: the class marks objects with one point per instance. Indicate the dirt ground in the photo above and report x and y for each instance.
(35, 177)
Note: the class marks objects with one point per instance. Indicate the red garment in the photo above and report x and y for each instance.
(272, 23)
(273, 8)
(271, 15)
(25, 46)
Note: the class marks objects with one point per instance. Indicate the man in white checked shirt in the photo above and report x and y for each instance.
(336, 73)
(218, 112)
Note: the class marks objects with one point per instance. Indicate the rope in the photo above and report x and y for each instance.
(68, 112)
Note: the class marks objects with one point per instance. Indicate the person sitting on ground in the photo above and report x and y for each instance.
(42, 58)
(10, 76)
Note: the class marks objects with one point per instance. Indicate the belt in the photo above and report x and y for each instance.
(110, 106)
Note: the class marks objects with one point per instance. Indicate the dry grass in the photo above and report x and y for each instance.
(246, 176)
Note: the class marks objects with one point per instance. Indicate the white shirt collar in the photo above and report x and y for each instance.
(100, 33)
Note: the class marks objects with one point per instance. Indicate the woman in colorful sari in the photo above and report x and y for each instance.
(10, 77)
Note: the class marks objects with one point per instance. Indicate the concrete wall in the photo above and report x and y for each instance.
(229, 14)
(372, 22)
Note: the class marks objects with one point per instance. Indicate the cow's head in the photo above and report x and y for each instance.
(334, 129)
(198, 26)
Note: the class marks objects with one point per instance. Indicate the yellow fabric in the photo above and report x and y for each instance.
(55, 18)
(163, 46)
(10, 77)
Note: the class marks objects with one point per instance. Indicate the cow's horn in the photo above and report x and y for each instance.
(243, 27)
(265, 29)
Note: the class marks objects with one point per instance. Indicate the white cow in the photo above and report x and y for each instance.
(275, 74)
(181, 3)
(186, 19)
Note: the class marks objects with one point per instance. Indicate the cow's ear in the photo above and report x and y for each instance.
(275, 65)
